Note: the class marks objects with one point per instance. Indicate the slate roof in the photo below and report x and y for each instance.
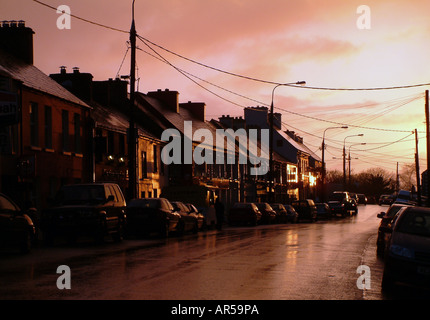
(111, 119)
(33, 78)
(299, 146)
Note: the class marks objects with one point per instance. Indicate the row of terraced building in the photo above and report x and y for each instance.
(67, 128)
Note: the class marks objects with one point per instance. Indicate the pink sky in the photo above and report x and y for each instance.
(274, 40)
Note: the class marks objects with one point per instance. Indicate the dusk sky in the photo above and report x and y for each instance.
(279, 41)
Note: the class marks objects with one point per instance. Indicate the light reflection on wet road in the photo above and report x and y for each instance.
(277, 262)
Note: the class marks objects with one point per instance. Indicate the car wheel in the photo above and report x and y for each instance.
(119, 235)
(25, 246)
(180, 228)
(387, 281)
(165, 230)
(196, 228)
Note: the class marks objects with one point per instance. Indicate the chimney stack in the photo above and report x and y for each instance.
(197, 109)
(169, 98)
(17, 40)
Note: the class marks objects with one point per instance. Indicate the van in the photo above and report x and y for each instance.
(93, 209)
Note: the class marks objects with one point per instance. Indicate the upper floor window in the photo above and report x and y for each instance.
(34, 124)
(65, 130)
(77, 124)
(48, 127)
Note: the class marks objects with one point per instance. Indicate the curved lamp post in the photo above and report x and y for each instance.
(271, 175)
(323, 162)
(344, 157)
(349, 159)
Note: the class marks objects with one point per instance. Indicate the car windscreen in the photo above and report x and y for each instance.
(80, 194)
(415, 222)
(336, 197)
(393, 210)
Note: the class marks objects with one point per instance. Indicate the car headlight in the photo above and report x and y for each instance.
(402, 251)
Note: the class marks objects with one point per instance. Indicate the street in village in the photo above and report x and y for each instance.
(304, 261)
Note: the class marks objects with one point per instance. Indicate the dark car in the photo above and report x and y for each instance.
(281, 212)
(323, 211)
(268, 215)
(94, 209)
(408, 250)
(386, 199)
(187, 222)
(292, 215)
(151, 215)
(16, 227)
(192, 210)
(362, 199)
(306, 209)
(244, 213)
(340, 202)
(385, 226)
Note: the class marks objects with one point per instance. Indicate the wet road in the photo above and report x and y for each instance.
(278, 262)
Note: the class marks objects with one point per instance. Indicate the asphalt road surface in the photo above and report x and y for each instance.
(304, 261)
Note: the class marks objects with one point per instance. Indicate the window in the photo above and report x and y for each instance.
(144, 165)
(161, 165)
(155, 159)
(77, 123)
(110, 142)
(65, 130)
(48, 127)
(34, 124)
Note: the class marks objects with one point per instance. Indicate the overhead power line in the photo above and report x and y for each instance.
(232, 73)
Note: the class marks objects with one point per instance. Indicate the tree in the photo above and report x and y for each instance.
(407, 176)
(374, 182)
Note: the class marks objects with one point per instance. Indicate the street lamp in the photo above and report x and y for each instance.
(323, 162)
(271, 177)
(344, 158)
(349, 159)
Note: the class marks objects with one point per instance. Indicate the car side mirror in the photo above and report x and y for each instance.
(110, 198)
(381, 215)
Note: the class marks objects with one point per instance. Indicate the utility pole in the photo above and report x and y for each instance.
(132, 179)
(428, 147)
(397, 178)
(417, 168)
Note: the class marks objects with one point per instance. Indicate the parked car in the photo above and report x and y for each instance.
(244, 213)
(146, 216)
(292, 215)
(323, 211)
(362, 199)
(408, 251)
(386, 199)
(94, 209)
(341, 203)
(16, 227)
(354, 197)
(200, 217)
(281, 212)
(268, 215)
(385, 226)
(187, 222)
(306, 209)
(405, 197)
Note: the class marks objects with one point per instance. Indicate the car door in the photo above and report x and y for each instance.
(110, 208)
(10, 226)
